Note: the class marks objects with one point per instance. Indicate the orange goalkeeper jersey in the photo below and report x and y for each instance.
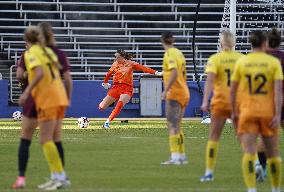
(123, 72)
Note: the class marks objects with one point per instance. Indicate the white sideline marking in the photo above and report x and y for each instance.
(150, 190)
(196, 137)
(130, 137)
(141, 137)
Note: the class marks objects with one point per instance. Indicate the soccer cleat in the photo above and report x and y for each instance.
(260, 173)
(183, 161)
(106, 125)
(171, 162)
(19, 183)
(55, 184)
(46, 184)
(208, 177)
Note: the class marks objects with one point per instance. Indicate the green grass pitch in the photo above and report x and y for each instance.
(126, 158)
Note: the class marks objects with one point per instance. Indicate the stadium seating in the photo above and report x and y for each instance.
(90, 31)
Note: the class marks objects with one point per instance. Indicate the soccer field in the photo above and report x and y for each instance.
(126, 158)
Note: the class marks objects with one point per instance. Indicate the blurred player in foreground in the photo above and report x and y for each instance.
(46, 87)
(122, 88)
(274, 41)
(257, 78)
(29, 122)
(176, 95)
(219, 69)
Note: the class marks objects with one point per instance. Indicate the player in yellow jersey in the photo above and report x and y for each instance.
(219, 69)
(258, 79)
(46, 87)
(176, 94)
(274, 42)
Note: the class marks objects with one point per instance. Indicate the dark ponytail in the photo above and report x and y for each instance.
(125, 55)
(274, 38)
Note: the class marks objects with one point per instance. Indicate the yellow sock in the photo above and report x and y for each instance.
(274, 166)
(181, 144)
(52, 156)
(248, 170)
(174, 143)
(211, 155)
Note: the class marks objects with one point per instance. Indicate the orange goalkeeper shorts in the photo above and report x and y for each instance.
(119, 89)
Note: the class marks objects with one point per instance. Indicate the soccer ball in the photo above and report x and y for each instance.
(83, 122)
(17, 115)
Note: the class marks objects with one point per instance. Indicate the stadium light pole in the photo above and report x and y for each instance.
(233, 9)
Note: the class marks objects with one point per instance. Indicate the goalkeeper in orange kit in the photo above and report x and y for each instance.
(122, 88)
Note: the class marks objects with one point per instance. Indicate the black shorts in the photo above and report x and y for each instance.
(29, 109)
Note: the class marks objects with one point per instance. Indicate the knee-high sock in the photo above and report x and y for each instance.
(174, 141)
(60, 151)
(274, 166)
(23, 156)
(248, 170)
(116, 110)
(52, 156)
(181, 144)
(211, 155)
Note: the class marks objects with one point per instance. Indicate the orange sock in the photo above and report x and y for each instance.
(116, 110)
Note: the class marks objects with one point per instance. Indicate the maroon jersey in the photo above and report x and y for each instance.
(29, 109)
(280, 55)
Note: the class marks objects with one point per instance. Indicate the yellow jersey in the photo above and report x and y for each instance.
(222, 65)
(256, 73)
(174, 59)
(50, 91)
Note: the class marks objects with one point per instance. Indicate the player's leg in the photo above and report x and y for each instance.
(47, 123)
(123, 100)
(173, 111)
(260, 164)
(57, 140)
(107, 101)
(28, 127)
(183, 158)
(215, 131)
(273, 161)
(248, 141)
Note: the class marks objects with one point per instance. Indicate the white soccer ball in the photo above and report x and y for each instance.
(83, 122)
(17, 115)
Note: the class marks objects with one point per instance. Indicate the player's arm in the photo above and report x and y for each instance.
(172, 79)
(69, 83)
(21, 70)
(108, 75)
(139, 67)
(207, 91)
(235, 80)
(66, 74)
(38, 76)
(278, 96)
(105, 84)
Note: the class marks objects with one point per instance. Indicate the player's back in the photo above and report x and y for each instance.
(49, 92)
(222, 65)
(256, 73)
(174, 58)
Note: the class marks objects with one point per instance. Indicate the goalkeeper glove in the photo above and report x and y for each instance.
(106, 85)
(157, 73)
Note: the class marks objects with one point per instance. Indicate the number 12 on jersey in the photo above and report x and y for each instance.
(252, 80)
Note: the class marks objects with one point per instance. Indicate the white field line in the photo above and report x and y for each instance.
(142, 137)
(220, 189)
(130, 137)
